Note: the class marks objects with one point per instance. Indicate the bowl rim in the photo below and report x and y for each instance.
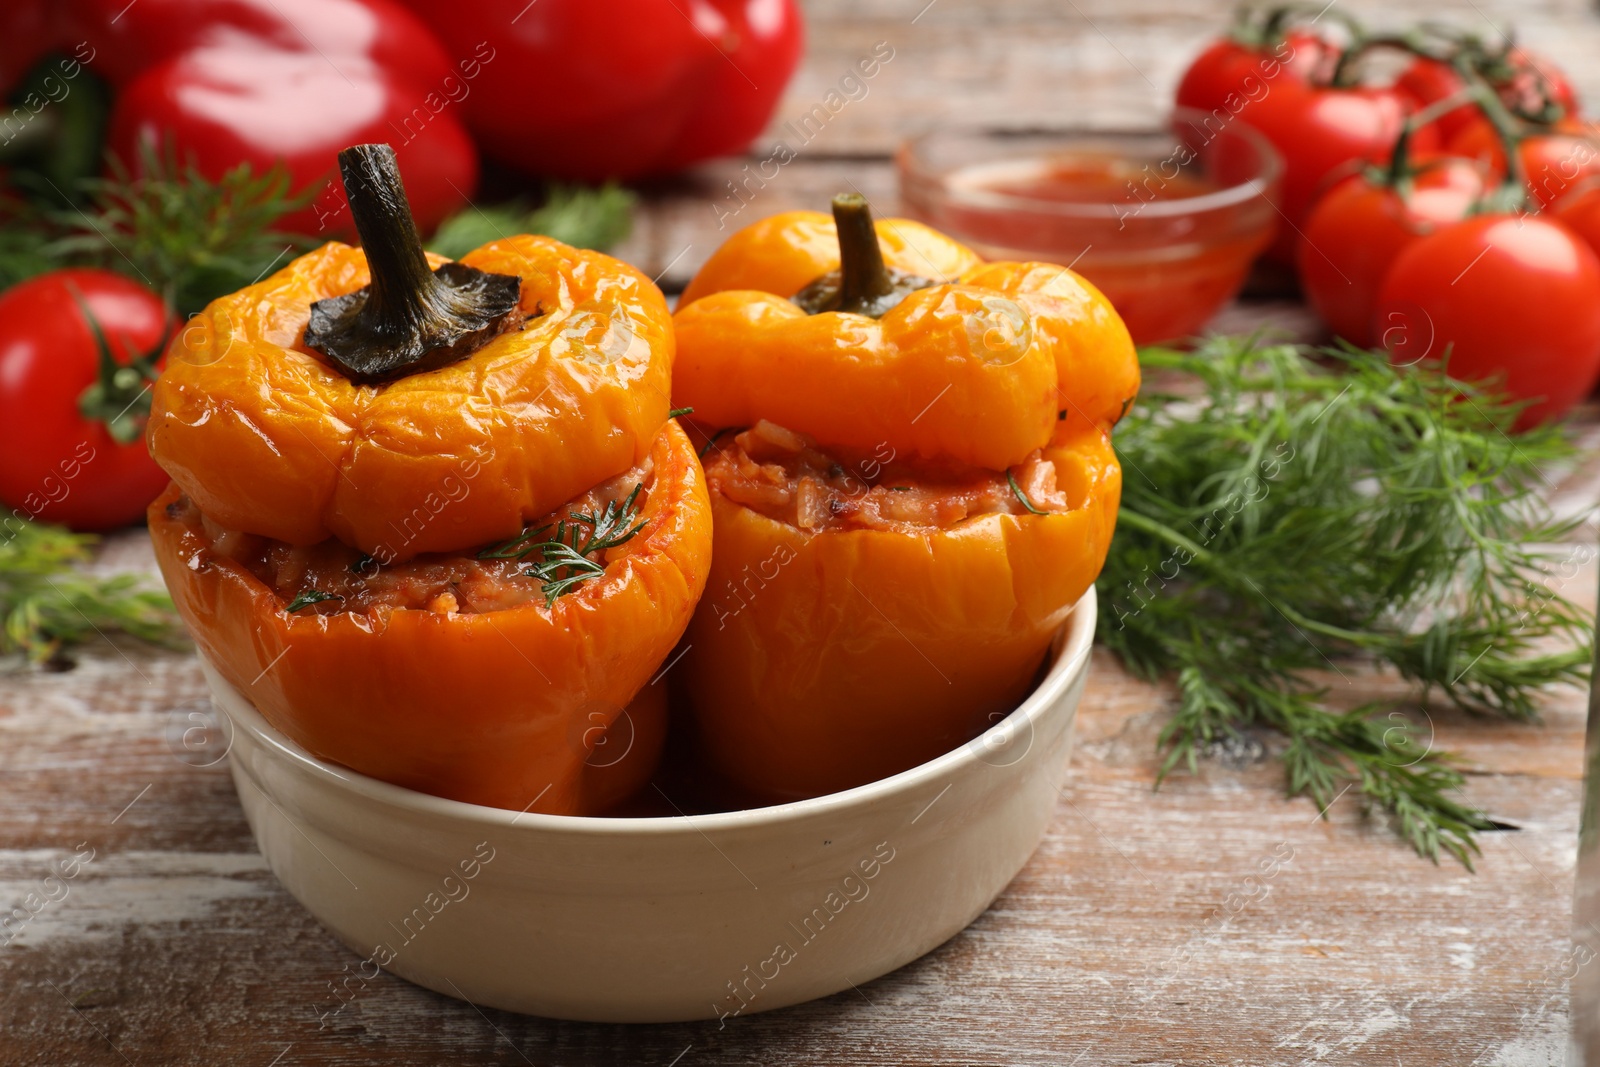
(914, 173)
(1073, 641)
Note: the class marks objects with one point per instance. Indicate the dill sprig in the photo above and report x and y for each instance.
(1307, 507)
(563, 561)
(188, 237)
(308, 598)
(193, 239)
(1022, 498)
(47, 600)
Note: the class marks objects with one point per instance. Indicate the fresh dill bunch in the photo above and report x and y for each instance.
(24, 244)
(565, 560)
(47, 601)
(188, 237)
(1301, 508)
(577, 215)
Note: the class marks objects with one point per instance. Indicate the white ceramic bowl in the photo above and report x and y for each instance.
(660, 919)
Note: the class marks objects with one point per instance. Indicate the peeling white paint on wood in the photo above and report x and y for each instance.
(114, 891)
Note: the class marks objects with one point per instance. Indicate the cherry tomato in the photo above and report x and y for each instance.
(1580, 211)
(1510, 298)
(1321, 130)
(1525, 82)
(1355, 232)
(57, 463)
(1536, 84)
(1230, 73)
(1556, 158)
(1325, 132)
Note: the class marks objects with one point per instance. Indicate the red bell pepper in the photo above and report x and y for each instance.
(586, 90)
(26, 34)
(285, 81)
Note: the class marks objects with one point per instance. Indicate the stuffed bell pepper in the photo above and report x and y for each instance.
(433, 518)
(911, 480)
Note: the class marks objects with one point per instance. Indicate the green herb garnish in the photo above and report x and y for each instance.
(563, 561)
(712, 440)
(1312, 506)
(1016, 490)
(678, 412)
(187, 237)
(577, 215)
(48, 602)
(308, 598)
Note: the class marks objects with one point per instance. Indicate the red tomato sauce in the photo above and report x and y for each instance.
(1100, 180)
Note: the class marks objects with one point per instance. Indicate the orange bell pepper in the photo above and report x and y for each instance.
(494, 674)
(266, 437)
(501, 707)
(890, 566)
(783, 253)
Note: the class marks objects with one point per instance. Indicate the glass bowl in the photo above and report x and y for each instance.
(1165, 222)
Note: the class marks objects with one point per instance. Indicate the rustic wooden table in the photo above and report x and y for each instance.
(1132, 936)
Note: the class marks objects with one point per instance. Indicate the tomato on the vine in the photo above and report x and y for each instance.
(1526, 83)
(1356, 231)
(1324, 132)
(1299, 90)
(1232, 71)
(75, 372)
(1510, 298)
(1555, 157)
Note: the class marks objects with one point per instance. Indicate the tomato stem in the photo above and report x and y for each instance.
(1399, 173)
(1271, 29)
(408, 319)
(1498, 65)
(1512, 195)
(119, 396)
(863, 284)
(1344, 74)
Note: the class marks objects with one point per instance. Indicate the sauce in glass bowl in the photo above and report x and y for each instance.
(1083, 179)
(1165, 223)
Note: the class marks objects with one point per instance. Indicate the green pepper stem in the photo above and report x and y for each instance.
(402, 282)
(863, 276)
(863, 284)
(409, 318)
